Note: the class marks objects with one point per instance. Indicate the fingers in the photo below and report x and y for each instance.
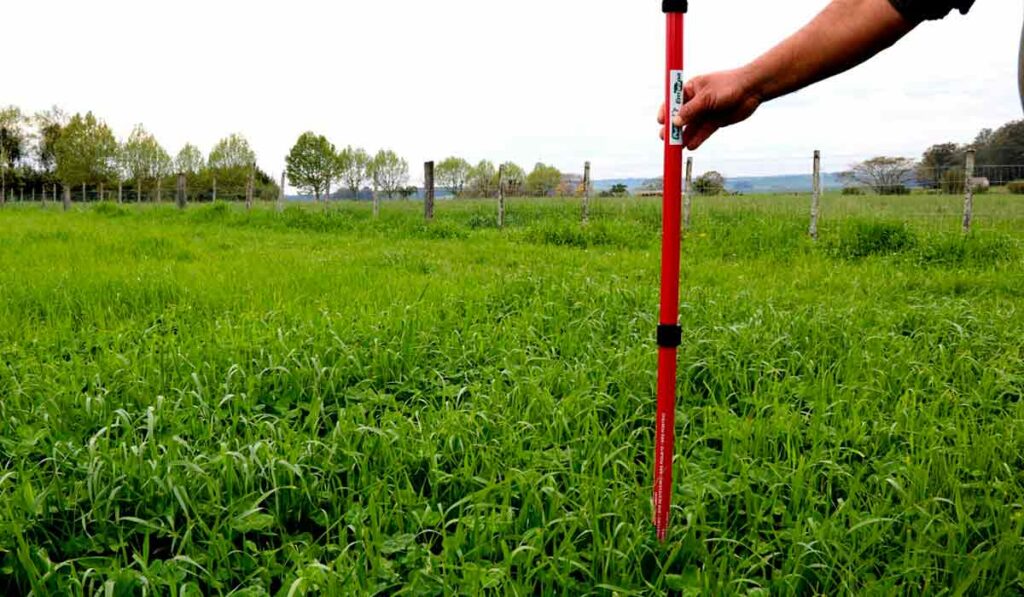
(697, 133)
(694, 109)
(661, 114)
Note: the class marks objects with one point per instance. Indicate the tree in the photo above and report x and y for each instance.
(86, 151)
(312, 164)
(49, 125)
(353, 168)
(710, 183)
(12, 143)
(232, 152)
(141, 158)
(1004, 147)
(936, 161)
(452, 174)
(543, 181)
(884, 175)
(389, 172)
(513, 178)
(483, 180)
(190, 160)
(230, 162)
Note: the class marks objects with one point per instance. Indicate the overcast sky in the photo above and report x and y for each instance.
(559, 81)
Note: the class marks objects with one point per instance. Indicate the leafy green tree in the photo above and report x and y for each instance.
(49, 124)
(86, 151)
(1004, 147)
(142, 159)
(230, 162)
(620, 190)
(936, 161)
(514, 179)
(483, 180)
(190, 160)
(710, 183)
(354, 168)
(452, 175)
(312, 164)
(12, 143)
(389, 172)
(232, 152)
(543, 181)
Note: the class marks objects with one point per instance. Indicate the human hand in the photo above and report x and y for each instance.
(712, 102)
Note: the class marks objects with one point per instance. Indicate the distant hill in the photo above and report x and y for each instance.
(791, 183)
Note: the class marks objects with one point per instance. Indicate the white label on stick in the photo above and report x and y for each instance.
(676, 85)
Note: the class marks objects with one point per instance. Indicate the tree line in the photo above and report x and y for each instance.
(38, 152)
(314, 166)
(998, 154)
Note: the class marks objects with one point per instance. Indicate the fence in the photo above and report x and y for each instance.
(947, 195)
(153, 191)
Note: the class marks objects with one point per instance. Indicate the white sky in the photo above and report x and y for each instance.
(559, 81)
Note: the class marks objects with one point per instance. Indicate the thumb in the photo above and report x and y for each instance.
(697, 103)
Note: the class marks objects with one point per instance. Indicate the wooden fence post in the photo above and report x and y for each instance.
(280, 195)
(84, 196)
(501, 196)
(181, 190)
(688, 195)
(376, 201)
(816, 194)
(249, 186)
(215, 188)
(67, 197)
(428, 191)
(120, 192)
(969, 192)
(33, 194)
(586, 193)
(159, 190)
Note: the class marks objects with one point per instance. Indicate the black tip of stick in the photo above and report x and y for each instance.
(668, 6)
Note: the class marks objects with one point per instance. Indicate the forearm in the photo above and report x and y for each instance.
(845, 34)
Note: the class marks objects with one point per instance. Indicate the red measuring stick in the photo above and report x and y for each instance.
(669, 331)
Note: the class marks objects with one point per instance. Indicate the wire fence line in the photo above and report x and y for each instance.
(944, 197)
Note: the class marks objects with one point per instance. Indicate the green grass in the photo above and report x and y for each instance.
(216, 402)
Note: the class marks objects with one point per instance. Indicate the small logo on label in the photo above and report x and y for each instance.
(676, 86)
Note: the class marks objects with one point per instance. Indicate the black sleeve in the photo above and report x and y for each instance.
(922, 10)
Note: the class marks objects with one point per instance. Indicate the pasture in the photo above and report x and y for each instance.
(218, 401)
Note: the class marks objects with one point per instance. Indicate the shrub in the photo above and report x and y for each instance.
(110, 210)
(710, 184)
(853, 191)
(875, 238)
(899, 189)
(1016, 187)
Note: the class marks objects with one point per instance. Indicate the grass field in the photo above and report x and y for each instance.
(222, 402)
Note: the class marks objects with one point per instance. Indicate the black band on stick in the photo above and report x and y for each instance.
(670, 336)
(674, 5)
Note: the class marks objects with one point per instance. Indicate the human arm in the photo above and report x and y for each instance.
(845, 34)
